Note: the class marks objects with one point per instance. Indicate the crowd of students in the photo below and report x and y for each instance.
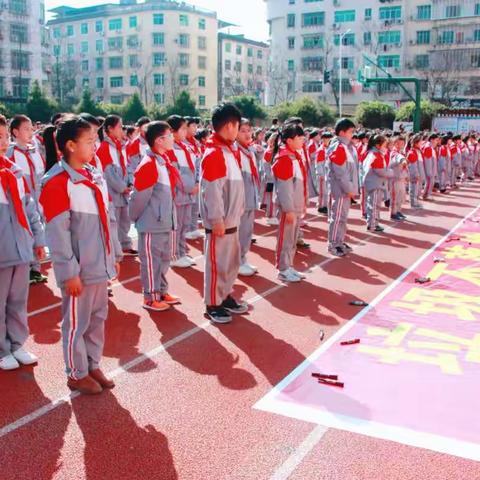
(73, 189)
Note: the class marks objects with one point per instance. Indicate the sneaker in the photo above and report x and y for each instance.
(130, 252)
(253, 241)
(246, 270)
(353, 202)
(417, 206)
(378, 229)
(9, 362)
(110, 291)
(396, 216)
(288, 276)
(191, 260)
(302, 243)
(87, 385)
(387, 203)
(273, 221)
(337, 252)
(218, 314)
(232, 306)
(155, 306)
(297, 273)
(37, 277)
(347, 248)
(402, 216)
(24, 357)
(170, 299)
(323, 210)
(182, 262)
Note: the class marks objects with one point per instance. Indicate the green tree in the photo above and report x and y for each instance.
(134, 109)
(313, 114)
(183, 105)
(250, 107)
(39, 106)
(4, 110)
(87, 105)
(111, 108)
(428, 111)
(375, 114)
(156, 112)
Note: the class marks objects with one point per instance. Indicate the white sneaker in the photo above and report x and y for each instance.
(297, 273)
(182, 262)
(246, 270)
(24, 357)
(273, 221)
(9, 363)
(288, 276)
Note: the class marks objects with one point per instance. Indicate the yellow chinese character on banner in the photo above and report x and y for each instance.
(424, 301)
(469, 274)
(395, 348)
(462, 253)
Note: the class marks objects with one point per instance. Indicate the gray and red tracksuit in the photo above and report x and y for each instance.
(75, 206)
(320, 171)
(309, 163)
(251, 183)
(268, 184)
(415, 166)
(430, 166)
(341, 170)
(196, 147)
(112, 155)
(361, 150)
(456, 156)
(290, 175)
(182, 159)
(443, 165)
(152, 208)
(135, 151)
(222, 199)
(398, 187)
(21, 230)
(375, 177)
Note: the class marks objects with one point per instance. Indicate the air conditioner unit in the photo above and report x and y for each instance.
(387, 23)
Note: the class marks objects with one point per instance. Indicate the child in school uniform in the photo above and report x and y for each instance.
(152, 208)
(23, 153)
(222, 203)
(290, 174)
(415, 167)
(111, 153)
(186, 190)
(22, 238)
(399, 166)
(137, 148)
(251, 183)
(444, 163)
(429, 155)
(74, 199)
(268, 181)
(326, 137)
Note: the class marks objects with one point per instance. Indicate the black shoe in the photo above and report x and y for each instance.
(110, 291)
(402, 216)
(253, 241)
(353, 202)
(323, 210)
(337, 251)
(303, 244)
(37, 277)
(378, 228)
(232, 306)
(347, 247)
(130, 252)
(396, 216)
(387, 203)
(218, 315)
(443, 190)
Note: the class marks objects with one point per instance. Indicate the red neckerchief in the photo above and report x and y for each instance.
(303, 169)
(31, 165)
(102, 209)
(194, 144)
(173, 174)
(253, 167)
(217, 140)
(187, 155)
(118, 145)
(10, 185)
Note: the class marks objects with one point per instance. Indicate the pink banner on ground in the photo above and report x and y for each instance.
(414, 377)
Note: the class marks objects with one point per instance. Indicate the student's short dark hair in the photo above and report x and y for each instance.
(176, 122)
(433, 136)
(202, 133)
(191, 120)
(445, 139)
(296, 120)
(225, 113)
(327, 135)
(3, 121)
(343, 125)
(314, 132)
(111, 121)
(155, 130)
(56, 117)
(245, 121)
(70, 128)
(17, 121)
(142, 121)
(291, 130)
(91, 119)
(456, 137)
(130, 130)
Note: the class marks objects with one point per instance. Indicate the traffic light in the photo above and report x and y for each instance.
(326, 76)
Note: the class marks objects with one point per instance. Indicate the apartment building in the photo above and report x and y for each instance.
(242, 66)
(23, 48)
(157, 48)
(414, 37)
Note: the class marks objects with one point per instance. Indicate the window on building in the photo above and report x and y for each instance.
(202, 43)
(158, 18)
(70, 49)
(291, 65)
(183, 80)
(259, 70)
(158, 59)
(116, 82)
(250, 68)
(424, 12)
(202, 100)
(368, 14)
(238, 50)
(259, 54)
(290, 20)
(99, 47)
(132, 21)
(446, 37)
(423, 37)
(115, 62)
(476, 35)
(18, 7)
(117, 99)
(312, 86)
(476, 10)
(202, 62)
(390, 13)
(421, 61)
(84, 65)
(132, 41)
(184, 40)
(84, 28)
(70, 31)
(201, 81)
(134, 80)
(312, 64)
(342, 16)
(475, 60)
(99, 82)
(158, 39)
(159, 98)
(159, 79)
(84, 47)
(228, 47)
(291, 42)
(238, 67)
(452, 11)
(228, 65)
(56, 51)
(115, 43)
(133, 61)
(202, 24)
(99, 64)
(313, 19)
(183, 19)
(313, 41)
(367, 38)
(19, 33)
(98, 26)
(115, 24)
(20, 87)
(389, 61)
(348, 39)
(249, 52)
(389, 37)
(56, 32)
(183, 59)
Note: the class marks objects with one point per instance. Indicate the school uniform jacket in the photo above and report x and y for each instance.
(340, 168)
(182, 158)
(429, 160)
(375, 171)
(456, 155)
(443, 158)
(21, 228)
(251, 180)
(135, 151)
(222, 194)
(290, 181)
(414, 158)
(79, 235)
(32, 164)
(152, 205)
(112, 155)
(396, 166)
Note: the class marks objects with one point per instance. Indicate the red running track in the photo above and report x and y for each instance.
(182, 407)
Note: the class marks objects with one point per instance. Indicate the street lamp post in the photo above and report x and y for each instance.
(340, 95)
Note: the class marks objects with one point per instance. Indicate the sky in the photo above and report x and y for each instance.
(249, 14)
